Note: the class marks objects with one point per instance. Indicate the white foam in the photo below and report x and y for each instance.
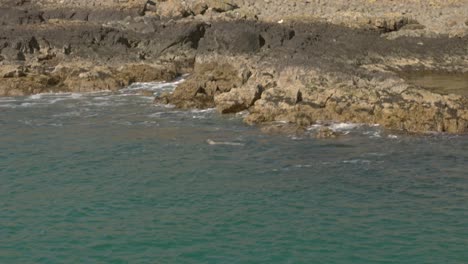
(68, 114)
(150, 123)
(314, 127)
(28, 104)
(53, 101)
(26, 122)
(296, 138)
(357, 161)
(344, 126)
(242, 114)
(159, 114)
(375, 154)
(303, 166)
(125, 123)
(373, 134)
(76, 95)
(155, 115)
(52, 98)
(35, 96)
(103, 103)
(7, 99)
(154, 86)
(227, 143)
(102, 98)
(56, 125)
(209, 110)
(8, 105)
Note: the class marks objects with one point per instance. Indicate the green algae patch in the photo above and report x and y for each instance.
(438, 82)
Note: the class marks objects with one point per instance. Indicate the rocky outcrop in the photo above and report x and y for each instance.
(304, 97)
(238, 100)
(84, 56)
(79, 77)
(304, 74)
(287, 64)
(396, 106)
(200, 90)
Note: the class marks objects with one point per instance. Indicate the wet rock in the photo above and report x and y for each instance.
(325, 132)
(282, 128)
(146, 93)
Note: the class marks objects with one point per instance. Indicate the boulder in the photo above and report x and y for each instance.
(238, 99)
(207, 81)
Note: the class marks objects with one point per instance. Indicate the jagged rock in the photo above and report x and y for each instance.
(25, 85)
(414, 110)
(172, 9)
(208, 80)
(145, 73)
(199, 8)
(12, 71)
(238, 99)
(93, 81)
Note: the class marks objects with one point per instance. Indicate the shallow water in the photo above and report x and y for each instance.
(441, 83)
(112, 178)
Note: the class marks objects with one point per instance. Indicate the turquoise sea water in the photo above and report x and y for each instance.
(112, 178)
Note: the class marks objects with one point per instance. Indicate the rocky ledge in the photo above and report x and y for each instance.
(281, 62)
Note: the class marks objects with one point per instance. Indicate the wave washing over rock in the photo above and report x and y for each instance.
(123, 135)
(298, 62)
(111, 177)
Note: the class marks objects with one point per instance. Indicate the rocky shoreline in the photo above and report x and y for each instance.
(283, 62)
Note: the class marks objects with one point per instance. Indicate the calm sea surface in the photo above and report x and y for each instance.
(112, 178)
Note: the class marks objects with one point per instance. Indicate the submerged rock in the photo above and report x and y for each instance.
(326, 132)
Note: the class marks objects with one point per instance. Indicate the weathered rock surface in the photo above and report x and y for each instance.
(200, 90)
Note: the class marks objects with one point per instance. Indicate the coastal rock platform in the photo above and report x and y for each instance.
(296, 62)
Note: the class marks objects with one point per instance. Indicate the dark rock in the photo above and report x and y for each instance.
(232, 37)
(15, 16)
